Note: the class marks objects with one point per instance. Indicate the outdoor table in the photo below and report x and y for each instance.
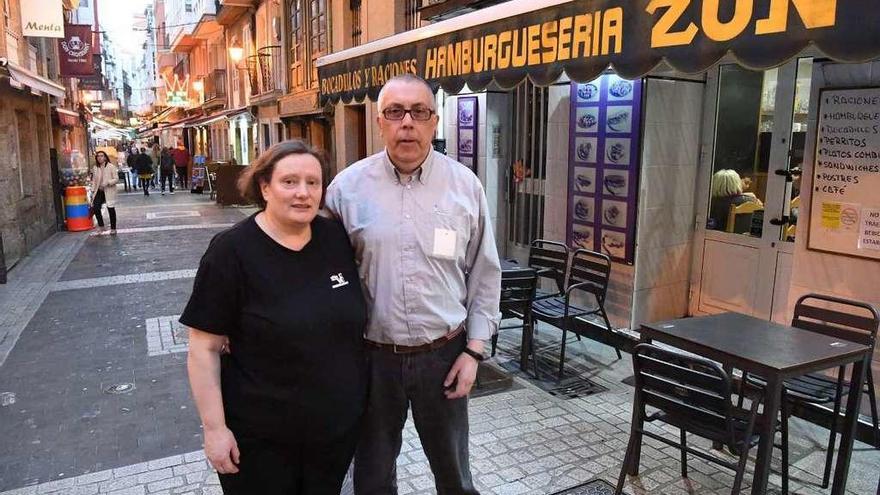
(510, 268)
(775, 353)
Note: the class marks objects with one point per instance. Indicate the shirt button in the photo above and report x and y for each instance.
(409, 186)
(407, 215)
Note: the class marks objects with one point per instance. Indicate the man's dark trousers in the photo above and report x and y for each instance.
(401, 381)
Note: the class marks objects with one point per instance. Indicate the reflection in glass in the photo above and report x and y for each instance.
(743, 130)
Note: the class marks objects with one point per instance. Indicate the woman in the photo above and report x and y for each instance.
(104, 179)
(281, 410)
(727, 191)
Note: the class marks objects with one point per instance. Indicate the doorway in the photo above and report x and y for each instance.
(753, 146)
(528, 168)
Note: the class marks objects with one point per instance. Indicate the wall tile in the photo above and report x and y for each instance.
(671, 145)
(658, 266)
(668, 186)
(665, 226)
(660, 303)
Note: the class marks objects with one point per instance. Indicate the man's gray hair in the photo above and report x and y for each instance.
(407, 78)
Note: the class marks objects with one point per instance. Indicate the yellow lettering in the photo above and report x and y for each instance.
(660, 33)
(723, 31)
(814, 14)
(597, 25)
(548, 42)
(490, 43)
(441, 62)
(431, 63)
(563, 47)
(583, 30)
(504, 49)
(519, 47)
(452, 59)
(466, 57)
(612, 27)
(534, 50)
(478, 55)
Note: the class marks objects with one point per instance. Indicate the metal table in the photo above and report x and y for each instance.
(776, 353)
(510, 268)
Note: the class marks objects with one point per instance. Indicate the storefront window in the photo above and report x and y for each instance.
(743, 130)
(296, 44)
(800, 113)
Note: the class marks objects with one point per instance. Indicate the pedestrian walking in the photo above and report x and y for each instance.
(419, 224)
(104, 178)
(131, 162)
(281, 413)
(166, 170)
(144, 166)
(181, 162)
(155, 156)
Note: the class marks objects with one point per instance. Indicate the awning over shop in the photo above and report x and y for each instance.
(32, 80)
(211, 119)
(67, 118)
(541, 39)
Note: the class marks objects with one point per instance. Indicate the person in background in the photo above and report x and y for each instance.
(166, 170)
(419, 223)
(155, 156)
(281, 411)
(181, 161)
(144, 166)
(104, 179)
(727, 191)
(131, 162)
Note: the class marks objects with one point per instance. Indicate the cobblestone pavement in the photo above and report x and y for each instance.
(87, 315)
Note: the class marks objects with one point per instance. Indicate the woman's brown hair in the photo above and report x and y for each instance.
(260, 171)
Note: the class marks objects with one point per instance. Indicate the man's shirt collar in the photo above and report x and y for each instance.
(422, 173)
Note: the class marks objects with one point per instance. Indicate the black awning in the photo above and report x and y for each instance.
(585, 37)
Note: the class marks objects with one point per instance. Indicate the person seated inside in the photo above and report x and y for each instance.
(727, 191)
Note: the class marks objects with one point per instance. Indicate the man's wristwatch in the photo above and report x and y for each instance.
(474, 354)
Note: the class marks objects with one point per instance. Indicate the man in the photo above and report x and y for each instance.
(181, 161)
(428, 261)
(166, 170)
(144, 165)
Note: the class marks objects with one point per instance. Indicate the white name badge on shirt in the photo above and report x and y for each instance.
(444, 243)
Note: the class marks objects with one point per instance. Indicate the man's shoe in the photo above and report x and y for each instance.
(172, 192)
(163, 193)
(112, 231)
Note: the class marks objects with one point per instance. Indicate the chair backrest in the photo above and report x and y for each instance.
(689, 389)
(739, 220)
(518, 292)
(593, 269)
(844, 319)
(550, 260)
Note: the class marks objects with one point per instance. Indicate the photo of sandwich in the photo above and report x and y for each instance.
(614, 244)
(588, 92)
(619, 119)
(582, 237)
(585, 180)
(466, 142)
(617, 151)
(615, 183)
(583, 209)
(620, 88)
(585, 149)
(466, 112)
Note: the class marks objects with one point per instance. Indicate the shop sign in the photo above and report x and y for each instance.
(603, 166)
(75, 51)
(845, 206)
(176, 91)
(584, 37)
(42, 18)
(299, 104)
(110, 105)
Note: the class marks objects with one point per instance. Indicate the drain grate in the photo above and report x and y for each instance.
(576, 388)
(119, 388)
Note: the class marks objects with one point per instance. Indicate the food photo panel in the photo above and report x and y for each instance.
(466, 142)
(583, 209)
(617, 151)
(585, 180)
(585, 149)
(582, 237)
(615, 183)
(619, 89)
(466, 112)
(587, 119)
(613, 244)
(614, 213)
(619, 119)
(588, 93)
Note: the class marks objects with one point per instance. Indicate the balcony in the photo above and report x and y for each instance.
(215, 89)
(266, 74)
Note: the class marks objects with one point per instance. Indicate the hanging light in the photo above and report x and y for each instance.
(236, 52)
(198, 85)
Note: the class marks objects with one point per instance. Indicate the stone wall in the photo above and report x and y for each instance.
(27, 214)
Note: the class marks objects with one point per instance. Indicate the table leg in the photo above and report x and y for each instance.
(847, 434)
(772, 393)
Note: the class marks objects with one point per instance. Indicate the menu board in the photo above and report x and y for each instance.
(467, 131)
(845, 206)
(603, 167)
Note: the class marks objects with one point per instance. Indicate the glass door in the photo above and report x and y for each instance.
(753, 148)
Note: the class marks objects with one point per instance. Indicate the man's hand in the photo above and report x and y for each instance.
(221, 449)
(463, 373)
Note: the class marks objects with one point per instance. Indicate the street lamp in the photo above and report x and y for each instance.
(198, 85)
(236, 52)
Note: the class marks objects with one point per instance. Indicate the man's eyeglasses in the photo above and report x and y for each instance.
(398, 113)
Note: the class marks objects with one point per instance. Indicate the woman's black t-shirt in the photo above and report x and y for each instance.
(295, 322)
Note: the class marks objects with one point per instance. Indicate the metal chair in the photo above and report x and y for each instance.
(550, 260)
(817, 388)
(517, 295)
(588, 272)
(694, 395)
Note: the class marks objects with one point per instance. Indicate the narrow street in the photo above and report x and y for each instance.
(95, 397)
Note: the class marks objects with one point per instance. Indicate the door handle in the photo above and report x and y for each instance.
(780, 221)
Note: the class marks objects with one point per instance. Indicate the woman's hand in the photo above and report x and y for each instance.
(221, 449)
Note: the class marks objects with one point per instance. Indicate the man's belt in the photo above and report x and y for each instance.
(410, 349)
